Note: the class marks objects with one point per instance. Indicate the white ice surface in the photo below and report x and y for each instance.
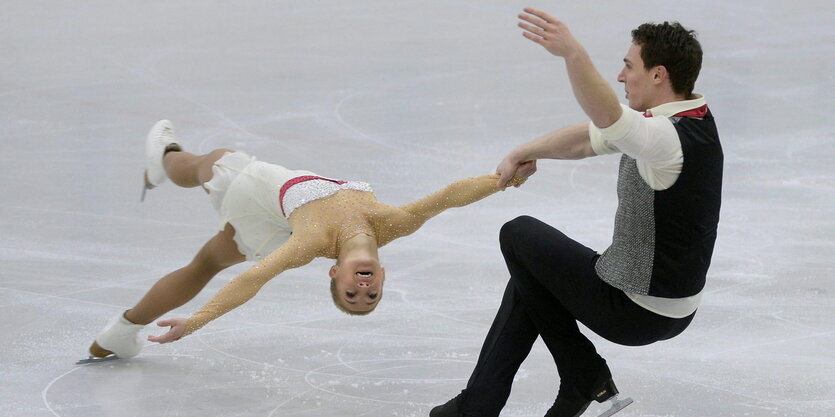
(407, 95)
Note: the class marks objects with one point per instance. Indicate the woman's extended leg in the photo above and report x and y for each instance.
(180, 286)
(220, 252)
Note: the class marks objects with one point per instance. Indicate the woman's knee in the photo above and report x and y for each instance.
(204, 266)
(204, 171)
(217, 254)
(218, 153)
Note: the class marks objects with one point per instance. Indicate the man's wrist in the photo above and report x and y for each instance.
(576, 53)
(520, 154)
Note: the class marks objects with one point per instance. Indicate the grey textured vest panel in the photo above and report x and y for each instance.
(663, 240)
(627, 263)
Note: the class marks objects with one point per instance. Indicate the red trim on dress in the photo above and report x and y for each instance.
(299, 180)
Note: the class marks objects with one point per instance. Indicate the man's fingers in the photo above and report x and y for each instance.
(532, 29)
(534, 20)
(529, 168)
(506, 175)
(540, 14)
(502, 183)
(538, 39)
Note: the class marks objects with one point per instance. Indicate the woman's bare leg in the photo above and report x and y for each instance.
(220, 252)
(180, 286)
(189, 170)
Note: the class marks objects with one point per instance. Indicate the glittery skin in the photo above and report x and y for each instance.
(321, 226)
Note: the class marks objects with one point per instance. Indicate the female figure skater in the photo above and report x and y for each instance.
(280, 218)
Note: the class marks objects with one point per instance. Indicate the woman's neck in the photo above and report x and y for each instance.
(356, 237)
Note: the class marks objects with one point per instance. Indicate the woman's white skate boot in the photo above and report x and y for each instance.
(160, 140)
(120, 337)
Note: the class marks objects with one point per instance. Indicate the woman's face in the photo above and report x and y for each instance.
(359, 283)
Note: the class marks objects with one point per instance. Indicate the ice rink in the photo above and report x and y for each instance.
(408, 96)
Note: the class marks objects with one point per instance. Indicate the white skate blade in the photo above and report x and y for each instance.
(92, 359)
(617, 405)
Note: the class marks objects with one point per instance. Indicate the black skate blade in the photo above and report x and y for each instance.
(96, 360)
(617, 405)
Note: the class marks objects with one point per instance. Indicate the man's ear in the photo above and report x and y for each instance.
(332, 271)
(660, 74)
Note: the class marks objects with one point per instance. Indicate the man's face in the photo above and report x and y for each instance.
(359, 283)
(637, 80)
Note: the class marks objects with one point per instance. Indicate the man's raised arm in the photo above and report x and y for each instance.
(593, 93)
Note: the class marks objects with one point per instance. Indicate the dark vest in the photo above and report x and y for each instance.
(663, 240)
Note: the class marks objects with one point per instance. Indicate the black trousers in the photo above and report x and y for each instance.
(552, 285)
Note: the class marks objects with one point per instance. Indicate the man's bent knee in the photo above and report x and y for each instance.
(517, 228)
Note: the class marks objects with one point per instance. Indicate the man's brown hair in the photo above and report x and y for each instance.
(674, 47)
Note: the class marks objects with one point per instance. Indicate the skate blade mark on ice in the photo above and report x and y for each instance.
(616, 405)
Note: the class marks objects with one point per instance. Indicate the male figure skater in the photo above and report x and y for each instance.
(648, 284)
(281, 219)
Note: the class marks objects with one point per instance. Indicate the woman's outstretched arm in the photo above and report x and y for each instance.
(294, 253)
(458, 194)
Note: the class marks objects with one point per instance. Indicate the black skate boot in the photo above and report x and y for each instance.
(450, 409)
(570, 403)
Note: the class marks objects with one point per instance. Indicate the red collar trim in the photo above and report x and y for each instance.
(698, 112)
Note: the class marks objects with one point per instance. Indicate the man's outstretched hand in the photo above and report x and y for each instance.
(548, 31)
(177, 327)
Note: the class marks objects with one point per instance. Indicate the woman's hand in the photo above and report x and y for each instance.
(177, 327)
